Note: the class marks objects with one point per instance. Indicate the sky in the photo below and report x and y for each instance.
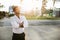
(26, 5)
(8, 3)
(49, 4)
(57, 4)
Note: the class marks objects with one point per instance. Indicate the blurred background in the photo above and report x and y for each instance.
(32, 9)
(43, 17)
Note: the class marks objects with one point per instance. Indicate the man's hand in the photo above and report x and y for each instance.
(21, 25)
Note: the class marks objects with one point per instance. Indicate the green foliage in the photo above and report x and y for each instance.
(1, 6)
(49, 11)
(3, 14)
(10, 15)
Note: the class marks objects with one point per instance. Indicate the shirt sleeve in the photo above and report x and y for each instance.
(14, 24)
(25, 22)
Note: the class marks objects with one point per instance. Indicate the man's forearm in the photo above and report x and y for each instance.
(21, 26)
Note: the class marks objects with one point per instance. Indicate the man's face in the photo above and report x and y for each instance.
(17, 10)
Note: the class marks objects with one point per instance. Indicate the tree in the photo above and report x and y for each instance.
(54, 2)
(43, 9)
(1, 6)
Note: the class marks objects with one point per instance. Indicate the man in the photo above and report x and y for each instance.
(18, 22)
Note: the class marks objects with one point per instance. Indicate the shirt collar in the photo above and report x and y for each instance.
(17, 17)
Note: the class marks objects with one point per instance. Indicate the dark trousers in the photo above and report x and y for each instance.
(18, 36)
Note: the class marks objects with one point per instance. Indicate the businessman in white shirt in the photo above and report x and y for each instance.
(18, 23)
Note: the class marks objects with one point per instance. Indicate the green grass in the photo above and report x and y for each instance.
(44, 18)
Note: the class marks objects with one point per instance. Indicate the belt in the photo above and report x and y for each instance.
(19, 33)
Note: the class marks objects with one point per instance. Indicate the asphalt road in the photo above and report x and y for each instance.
(37, 30)
(43, 22)
(45, 32)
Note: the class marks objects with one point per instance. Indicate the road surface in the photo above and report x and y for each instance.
(37, 30)
(44, 32)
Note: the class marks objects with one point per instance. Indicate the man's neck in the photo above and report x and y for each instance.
(18, 16)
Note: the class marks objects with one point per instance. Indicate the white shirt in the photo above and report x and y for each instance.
(15, 21)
